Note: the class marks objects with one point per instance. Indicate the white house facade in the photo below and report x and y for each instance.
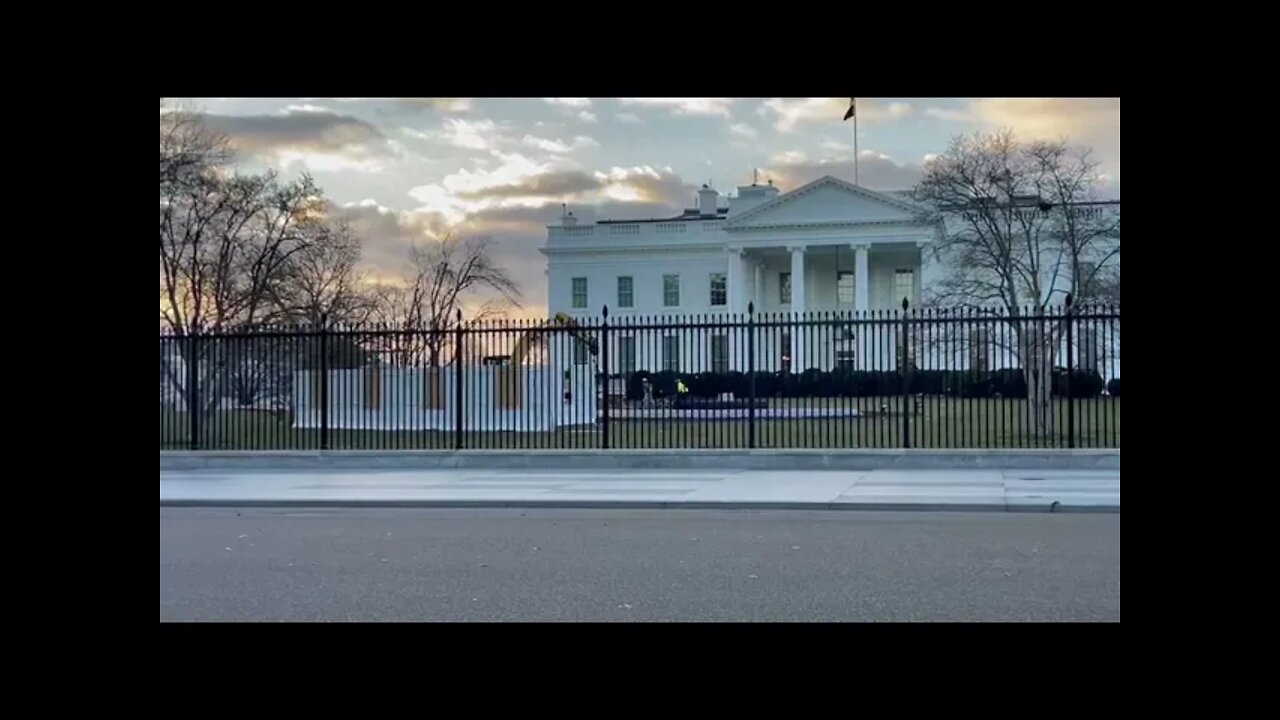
(828, 246)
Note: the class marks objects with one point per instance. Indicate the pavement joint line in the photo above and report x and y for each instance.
(1054, 507)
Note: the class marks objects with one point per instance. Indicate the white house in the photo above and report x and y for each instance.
(826, 246)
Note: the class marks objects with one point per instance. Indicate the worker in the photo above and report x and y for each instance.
(681, 388)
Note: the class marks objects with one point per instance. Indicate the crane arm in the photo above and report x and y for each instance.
(526, 341)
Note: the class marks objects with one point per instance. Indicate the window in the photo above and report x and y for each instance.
(626, 355)
(580, 352)
(671, 353)
(579, 292)
(786, 351)
(626, 294)
(846, 360)
(904, 286)
(719, 290)
(844, 288)
(720, 353)
(784, 288)
(671, 290)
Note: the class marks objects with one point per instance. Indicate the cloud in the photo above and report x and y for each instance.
(470, 134)
(790, 113)
(1049, 117)
(1092, 122)
(875, 170)
(585, 116)
(950, 114)
(580, 142)
(521, 181)
(569, 102)
(455, 195)
(788, 157)
(646, 184)
(306, 108)
(318, 138)
(743, 130)
(627, 117)
(386, 235)
(551, 185)
(442, 105)
(685, 106)
(512, 201)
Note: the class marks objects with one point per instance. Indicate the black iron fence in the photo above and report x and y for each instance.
(914, 378)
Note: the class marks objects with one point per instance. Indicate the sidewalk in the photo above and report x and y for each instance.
(985, 490)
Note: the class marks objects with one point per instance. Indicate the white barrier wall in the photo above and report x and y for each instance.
(397, 399)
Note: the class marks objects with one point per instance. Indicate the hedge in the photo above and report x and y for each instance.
(1008, 383)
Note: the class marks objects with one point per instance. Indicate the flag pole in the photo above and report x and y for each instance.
(855, 149)
(852, 112)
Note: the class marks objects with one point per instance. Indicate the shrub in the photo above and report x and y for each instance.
(1084, 383)
(814, 383)
(635, 385)
(664, 383)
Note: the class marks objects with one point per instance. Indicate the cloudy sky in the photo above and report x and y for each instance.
(405, 169)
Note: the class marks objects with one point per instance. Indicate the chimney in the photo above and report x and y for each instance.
(707, 201)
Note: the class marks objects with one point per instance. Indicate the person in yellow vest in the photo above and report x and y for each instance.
(681, 388)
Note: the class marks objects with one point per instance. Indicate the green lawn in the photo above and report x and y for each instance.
(937, 422)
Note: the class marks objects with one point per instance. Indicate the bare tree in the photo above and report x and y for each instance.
(188, 149)
(445, 273)
(226, 241)
(324, 280)
(1014, 241)
(1086, 235)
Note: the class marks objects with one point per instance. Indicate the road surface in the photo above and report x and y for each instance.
(642, 565)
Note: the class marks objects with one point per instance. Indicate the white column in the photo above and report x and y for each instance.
(737, 279)
(798, 306)
(758, 291)
(865, 347)
(861, 279)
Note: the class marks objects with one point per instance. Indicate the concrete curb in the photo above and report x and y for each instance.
(679, 459)
(646, 505)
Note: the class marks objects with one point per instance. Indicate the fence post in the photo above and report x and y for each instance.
(458, 334)
(751, 375)
(193, 389)
(324, 381)
(1071, 403)
(604, 362)
(906, 375)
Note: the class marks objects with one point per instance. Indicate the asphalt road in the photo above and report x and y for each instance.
(660, 565)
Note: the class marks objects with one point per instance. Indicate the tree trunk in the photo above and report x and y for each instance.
(1036, 353)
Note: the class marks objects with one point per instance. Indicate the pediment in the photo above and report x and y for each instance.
(829, 201)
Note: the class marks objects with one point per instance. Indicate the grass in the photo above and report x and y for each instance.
(936, 422)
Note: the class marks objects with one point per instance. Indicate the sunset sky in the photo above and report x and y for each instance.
(404, 169)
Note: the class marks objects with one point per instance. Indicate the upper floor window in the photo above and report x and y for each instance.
(626, 294)
(719, 289)
(671, 290)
